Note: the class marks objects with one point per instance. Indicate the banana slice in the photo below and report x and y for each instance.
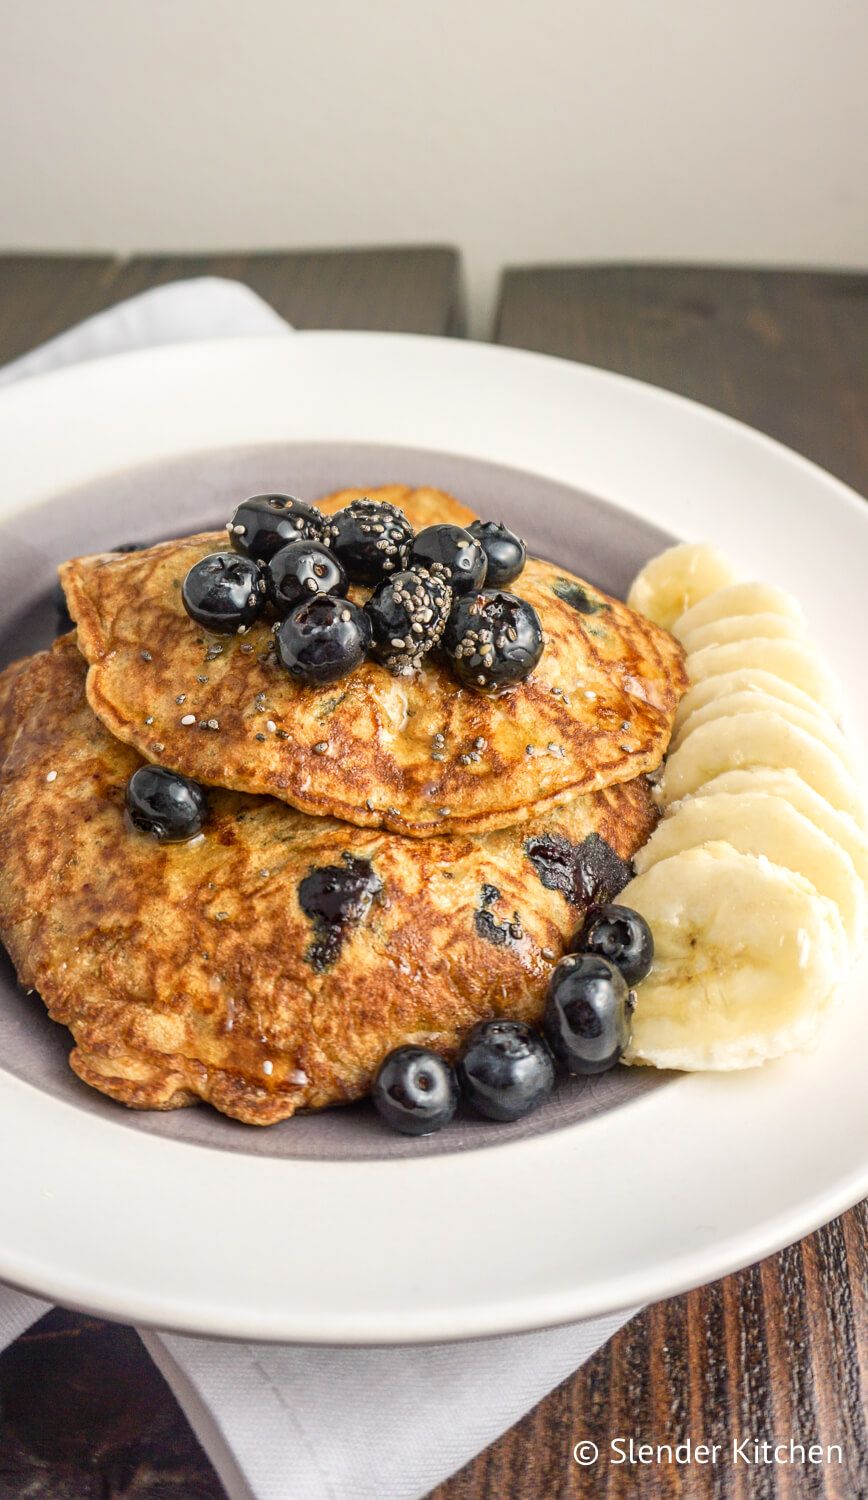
(839, 826)
(747, 960)
(795, 661)
(757, 739)
(742, 628)
(739, 599)
(677, 579)
(757, 823)
(744, 680)
(813, 720)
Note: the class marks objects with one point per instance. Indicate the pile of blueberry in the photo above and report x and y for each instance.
(443, 586)
(506, 1068)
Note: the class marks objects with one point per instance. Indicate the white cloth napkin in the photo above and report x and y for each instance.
(207, 307)
(300, 1423)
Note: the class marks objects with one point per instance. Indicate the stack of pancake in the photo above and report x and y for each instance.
(386, 859)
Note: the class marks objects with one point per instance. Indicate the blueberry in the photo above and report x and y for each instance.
(258, 527)
(224, 592)
(371, 538)
(622, 936)
(165, 804)
(453, 553)
(493, 640)
(587, 1014)
(505, 1069)
(298, 571)
(323, 639)
(415, 1091)
(505, 552)
(408, 612)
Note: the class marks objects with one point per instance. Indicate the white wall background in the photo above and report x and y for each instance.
(521, 130)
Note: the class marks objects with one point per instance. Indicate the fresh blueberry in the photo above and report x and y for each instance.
(415, 1091)
(453, 553)
(224, 592)
(622, 936)
(493, 640)
(587, 1014)
(505, 1069)
(408, 612)
(258, 527)
(323, 639)
(504, 551)
(300, 570)
(165, 804)
(371, 538)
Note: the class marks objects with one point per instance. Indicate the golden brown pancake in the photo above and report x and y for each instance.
(416, 755)
(269, 965)
(8, 680)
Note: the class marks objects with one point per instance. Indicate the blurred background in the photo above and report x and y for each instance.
(563, 131)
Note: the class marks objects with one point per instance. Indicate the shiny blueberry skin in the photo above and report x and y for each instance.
(505, 552)
(298, 571)
(224, 592)
(493, 640)
(165, 804)
(587, 1014)
(505, 1069)
(408, 612)
(622, 936)
(453, 553)
(415, 1091)
(323, 639)
(371, 538)
(260, 526)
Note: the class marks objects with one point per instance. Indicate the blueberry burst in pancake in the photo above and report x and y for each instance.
(269, 963)
(421, 754)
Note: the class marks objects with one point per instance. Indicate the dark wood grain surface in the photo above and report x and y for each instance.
(779, 1351)
(785, 351)
(395, 290)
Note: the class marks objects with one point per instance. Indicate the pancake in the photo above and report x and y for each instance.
(269, 965)
(8, 680)
(415, 755)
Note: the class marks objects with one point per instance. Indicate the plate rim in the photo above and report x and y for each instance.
(107, 1276)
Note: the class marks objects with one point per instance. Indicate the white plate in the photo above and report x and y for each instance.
(674, 1188)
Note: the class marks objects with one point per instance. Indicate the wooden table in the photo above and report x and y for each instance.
(778, 1351)
(405, 291)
